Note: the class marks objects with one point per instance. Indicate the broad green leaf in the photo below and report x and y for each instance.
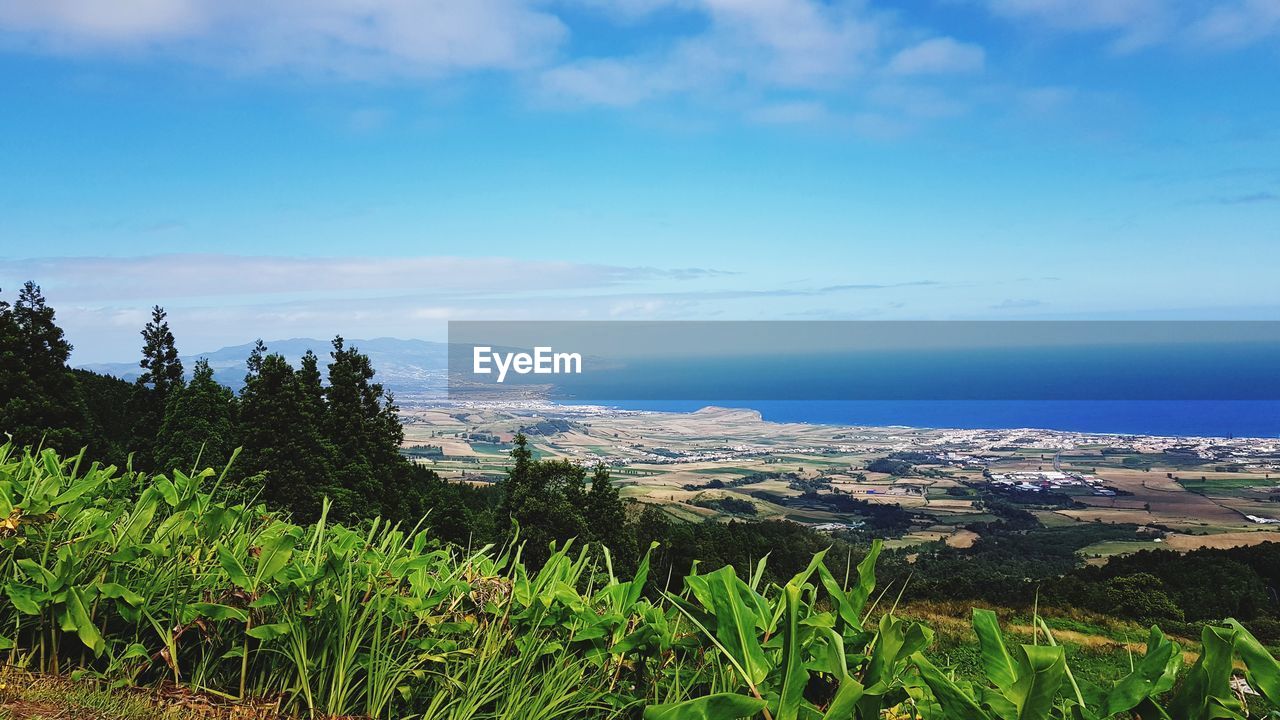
(78, 614)
(736, 621)
(78, 489)
(851, 602)
(846, 699)
(215, 611)
(721, 706)
(119, 592)
(134, 651)
(166, 489)
(860, 592)
(997, 664)
(270, 632)
(956, 704)
(25, 598)
(1262, 668)
(1041, 670)
(1153, 674)
(1206, 692)
(897, 641)
(143, 513)
(276, 551)
(38, 572)
(234, 570)
(794, 675)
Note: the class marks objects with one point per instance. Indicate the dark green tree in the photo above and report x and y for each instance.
(1140, 596)
(162, 370)
(312, 388)
(39, 400)
(106, 399)
(606, 517)
(161, 376)
(197, 428)
(365, 431)
(282, 444)
(545, 500)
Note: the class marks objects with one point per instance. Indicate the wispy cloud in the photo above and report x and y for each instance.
(1255, 198)
(1017, 304)
(1242, 22)
(109, 279)
(372, 38)
(756, 45)
(770, 61)
(938, 56)
(877, 286)
(1137, 24)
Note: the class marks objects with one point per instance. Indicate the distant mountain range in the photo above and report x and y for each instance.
(406, 367)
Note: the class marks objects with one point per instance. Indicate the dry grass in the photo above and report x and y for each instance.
(1221, 540)
(27, 696)
(963, 539)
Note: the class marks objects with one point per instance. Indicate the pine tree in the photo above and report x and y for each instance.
(160, 363)
(284, 444)
(161, 376)
(364, 429)
(312, 388)
(40, 402)
(197, 426)
(517, 485)
(254, 363)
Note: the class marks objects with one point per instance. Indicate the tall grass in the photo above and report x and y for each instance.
(160, 580)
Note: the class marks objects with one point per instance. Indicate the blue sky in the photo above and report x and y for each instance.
(376, 167)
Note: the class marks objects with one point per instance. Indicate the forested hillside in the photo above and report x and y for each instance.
(317, 568)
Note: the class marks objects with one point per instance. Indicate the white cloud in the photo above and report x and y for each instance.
(611, 82)
(938, 56)
(748, 45)
(772, 61)
(66, 22)
(1138, 22)
(349, 38)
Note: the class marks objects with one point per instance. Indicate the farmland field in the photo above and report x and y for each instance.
(676, 459)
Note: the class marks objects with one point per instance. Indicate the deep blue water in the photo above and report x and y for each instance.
(1197, 418)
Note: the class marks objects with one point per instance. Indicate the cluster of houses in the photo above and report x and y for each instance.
(835, 527)
(1041, 480)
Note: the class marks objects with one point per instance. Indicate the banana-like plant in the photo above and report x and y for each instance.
(139, 580)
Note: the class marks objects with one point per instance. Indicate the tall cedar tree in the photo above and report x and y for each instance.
(284, 443)
(39, 399)
(162, 370)
(365, 431)
(198, 424)
(161, 376)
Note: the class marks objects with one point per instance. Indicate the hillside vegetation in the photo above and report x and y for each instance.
(161, 581)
